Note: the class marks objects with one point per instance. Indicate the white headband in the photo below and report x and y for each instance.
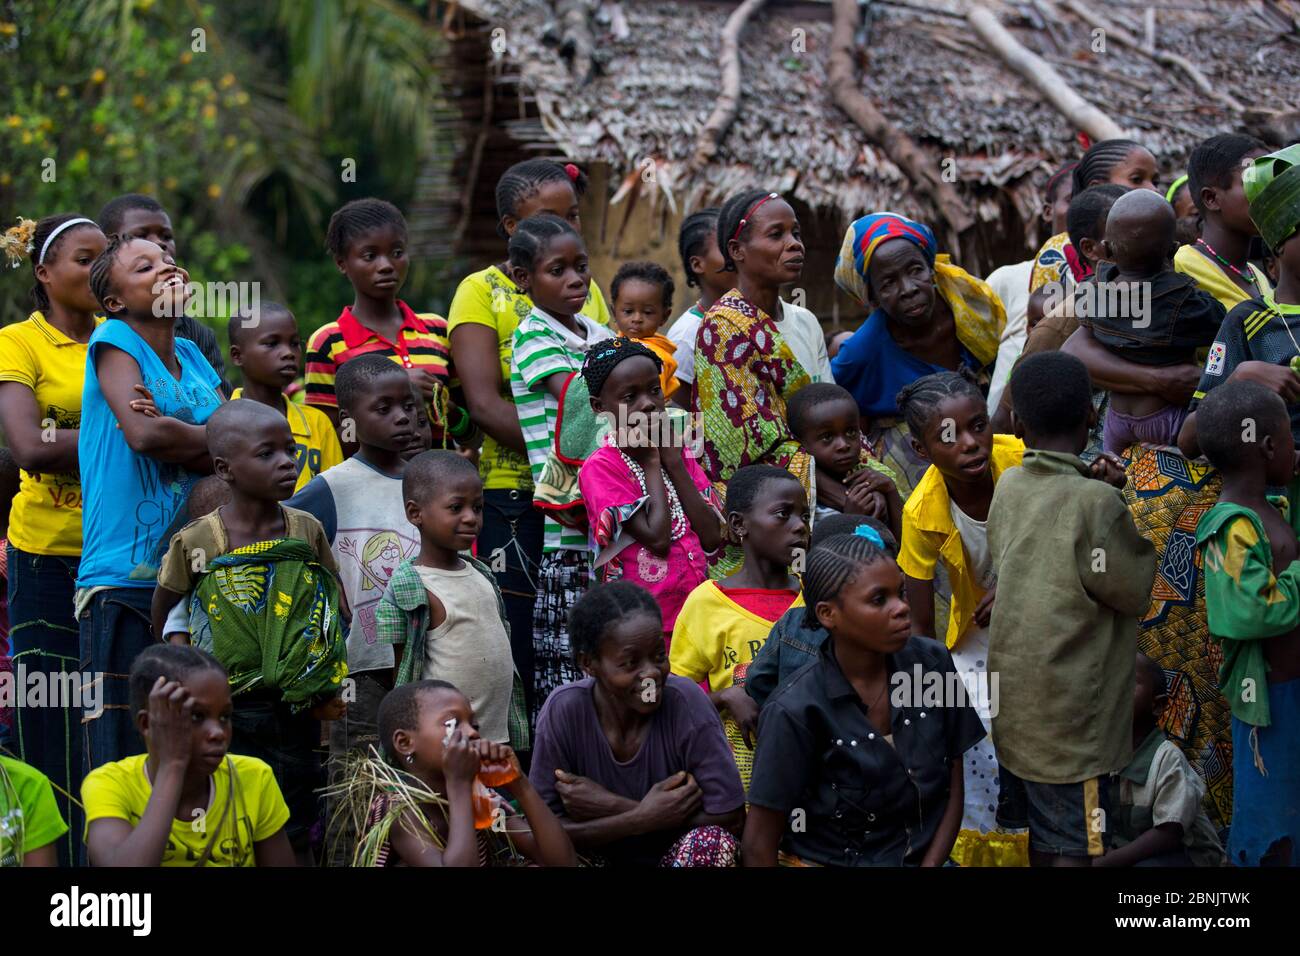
(54, 235)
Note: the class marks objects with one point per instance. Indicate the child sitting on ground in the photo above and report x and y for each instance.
(1158, 817)
(266, 347)
(823, 418)
(187, 802)
(428, 813)
(1252, 605)
(262, 590)
(723, 624)
(442, 609)
(1144, 311)
(632, 758)
(791, 645)
(1074, 575)
(877, 774)
(642, 293)
(654, 515)
(945, 521)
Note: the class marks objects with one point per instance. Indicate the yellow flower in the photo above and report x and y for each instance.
(144, 5)
(62, 92)
(13, 121)
(81, 156)
(230, 142)
(8, 29)
(27, 137)
(187, 56)
(241, 98)
(227, 81)
(214, 191)
(98, 76)
(209, 112)
(47, 124)
(169, 183)
(5, 179)
(138, 101)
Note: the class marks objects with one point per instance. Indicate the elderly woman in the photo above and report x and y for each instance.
(929, 316)
(754, 350)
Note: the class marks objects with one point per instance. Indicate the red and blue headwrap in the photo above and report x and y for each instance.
(862, 239)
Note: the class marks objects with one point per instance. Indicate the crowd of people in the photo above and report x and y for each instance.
(1006, 575)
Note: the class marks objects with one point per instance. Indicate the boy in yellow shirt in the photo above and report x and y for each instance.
(266, 347)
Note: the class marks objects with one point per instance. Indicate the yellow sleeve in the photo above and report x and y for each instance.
(104, 795)
(326, 439)
(472, 304)
(595, 308)
(17, 363)
(272, 812)
(693, 634)
(917, 555)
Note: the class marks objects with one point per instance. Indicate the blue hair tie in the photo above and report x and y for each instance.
(871, 534)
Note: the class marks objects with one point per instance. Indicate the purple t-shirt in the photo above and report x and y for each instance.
(685, 734)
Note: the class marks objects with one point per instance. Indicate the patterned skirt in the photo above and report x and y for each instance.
(562, 578)
(703, 846)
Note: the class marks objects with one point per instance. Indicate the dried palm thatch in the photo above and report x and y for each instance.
(994, 134)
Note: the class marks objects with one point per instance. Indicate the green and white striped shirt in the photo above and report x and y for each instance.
(543, 347)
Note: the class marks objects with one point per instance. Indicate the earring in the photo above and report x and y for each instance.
(410, 758)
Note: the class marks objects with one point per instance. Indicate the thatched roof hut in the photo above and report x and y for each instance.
(633, 123)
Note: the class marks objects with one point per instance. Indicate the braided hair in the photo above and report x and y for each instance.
(523, 180)
(833, 564)
(919, 401)
(747, 482)
(695, 232)
(1099, 160)
(356, 218)
(174, 662)
(601, 360)
(603, 606)
(648, 272)
(42, 232)
(101, 270)
(1214, 159)
(729, 217)
(533, 235)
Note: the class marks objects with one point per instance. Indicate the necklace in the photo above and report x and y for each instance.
(1254, 282)
(676, 513)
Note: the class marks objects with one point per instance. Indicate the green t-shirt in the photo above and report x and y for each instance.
(29, 817)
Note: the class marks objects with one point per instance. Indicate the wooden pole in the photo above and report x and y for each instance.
(1081, 114)
(728, 105)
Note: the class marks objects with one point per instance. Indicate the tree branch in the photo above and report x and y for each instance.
(918, 166)
(728, 105)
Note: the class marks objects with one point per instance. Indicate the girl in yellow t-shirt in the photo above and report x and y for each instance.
(42, 370)
(188, 801)
(723, 624)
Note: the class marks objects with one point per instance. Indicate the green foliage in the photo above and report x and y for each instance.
(236, 115)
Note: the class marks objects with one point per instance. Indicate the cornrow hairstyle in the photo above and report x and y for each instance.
(113, 214)
(729, 216)
(101, 270)
(605, 357)
(1051, 393)
(354, 219)
(400, 710)
(42, 232)
(357, 375)
(691, 239)
(747, 482)
(1099, 160)
(175, 662)
(533, 235)
(429, 469)
(838, 524)
(603, 606)
(650, 272)
(244, 319)
(809, 397)
(1214, 159)
(919, 401)
(523, 180)
(1058, 179)
(1086, 217)
(1221, 415)
(830, 566)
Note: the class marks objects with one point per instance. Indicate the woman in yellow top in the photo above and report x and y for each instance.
(484, 313)
(945, 523)
(42, 370)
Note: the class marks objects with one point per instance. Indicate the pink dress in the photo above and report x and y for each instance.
(613, 493)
